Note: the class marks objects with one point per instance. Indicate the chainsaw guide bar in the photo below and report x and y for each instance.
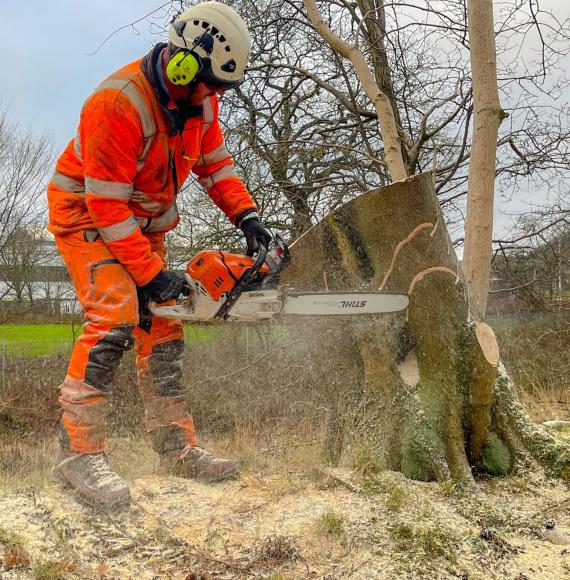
(233, 287)
(342, 303)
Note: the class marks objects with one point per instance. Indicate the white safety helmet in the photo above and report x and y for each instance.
(217, 34)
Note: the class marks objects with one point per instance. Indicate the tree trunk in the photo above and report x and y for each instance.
(386, 119)
(301, 210)
(422, 391)
(375, 13)
(487, 116)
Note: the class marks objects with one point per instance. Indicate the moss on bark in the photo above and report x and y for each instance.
(457, 415)
(496, 457)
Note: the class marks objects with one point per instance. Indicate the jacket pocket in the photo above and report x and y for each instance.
(96, 265)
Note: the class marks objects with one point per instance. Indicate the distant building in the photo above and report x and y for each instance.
(33, 278)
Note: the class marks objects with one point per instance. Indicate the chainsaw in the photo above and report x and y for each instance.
(234, 287)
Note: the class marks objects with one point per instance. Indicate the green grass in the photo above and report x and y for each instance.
(35, 340)
(195, 334)
(31, 340)
(47, 570)
(429, 542)
(330, 523)
(396, 497)
(9, 538)
(366, 461)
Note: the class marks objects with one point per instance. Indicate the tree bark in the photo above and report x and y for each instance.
(374, 14)
(381, 102)
(423, 391)
(487, 116)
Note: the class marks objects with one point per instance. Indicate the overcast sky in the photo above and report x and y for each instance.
(51, 59)
(48, 63)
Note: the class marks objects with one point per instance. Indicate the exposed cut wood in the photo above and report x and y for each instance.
(488, 343)
(409, 370)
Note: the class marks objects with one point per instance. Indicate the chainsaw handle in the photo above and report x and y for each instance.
(242, 283)
(259, 261)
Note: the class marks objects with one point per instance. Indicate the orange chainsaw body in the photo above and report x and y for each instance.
(218, 272)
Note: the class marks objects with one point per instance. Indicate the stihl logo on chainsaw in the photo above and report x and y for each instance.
(352, 303)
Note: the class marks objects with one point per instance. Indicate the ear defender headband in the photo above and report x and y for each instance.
(184, 66)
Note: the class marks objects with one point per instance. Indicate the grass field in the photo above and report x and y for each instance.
(30, 340)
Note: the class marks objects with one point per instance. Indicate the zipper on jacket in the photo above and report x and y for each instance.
(173, 169)
(184, 156)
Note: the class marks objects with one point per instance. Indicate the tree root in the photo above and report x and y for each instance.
(524, 438)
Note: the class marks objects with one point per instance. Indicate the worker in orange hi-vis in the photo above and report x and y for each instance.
(111, 200)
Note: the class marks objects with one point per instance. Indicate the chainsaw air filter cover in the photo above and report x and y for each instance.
(219, 272)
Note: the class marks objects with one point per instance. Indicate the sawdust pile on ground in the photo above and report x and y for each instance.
(287, 519)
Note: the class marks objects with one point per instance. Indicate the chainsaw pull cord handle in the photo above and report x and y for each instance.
(245, 279)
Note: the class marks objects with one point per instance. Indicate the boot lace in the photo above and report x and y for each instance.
(100, 469)
(195, 453)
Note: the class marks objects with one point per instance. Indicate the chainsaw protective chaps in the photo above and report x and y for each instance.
(108, 296)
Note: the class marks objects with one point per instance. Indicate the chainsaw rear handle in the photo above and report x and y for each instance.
(245, 279)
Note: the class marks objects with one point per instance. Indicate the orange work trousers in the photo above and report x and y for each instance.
(108, 296)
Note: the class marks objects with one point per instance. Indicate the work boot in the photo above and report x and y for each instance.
(91, 477)
(197, 463)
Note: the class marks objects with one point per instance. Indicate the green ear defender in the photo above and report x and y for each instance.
(182, 68)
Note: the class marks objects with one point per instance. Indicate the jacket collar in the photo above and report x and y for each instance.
(176, 113)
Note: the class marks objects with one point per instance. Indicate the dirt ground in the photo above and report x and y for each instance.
(285, 517)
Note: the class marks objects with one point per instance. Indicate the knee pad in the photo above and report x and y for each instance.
(105, 356)
(166, 368)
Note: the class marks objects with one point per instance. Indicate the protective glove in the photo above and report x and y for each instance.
(166, 285)
(254, 233)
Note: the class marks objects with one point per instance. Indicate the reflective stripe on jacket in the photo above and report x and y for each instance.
(116, 175)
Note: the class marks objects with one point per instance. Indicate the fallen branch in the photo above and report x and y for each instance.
(555, 423)
(291, 445)
(120, 528)
(350, 486)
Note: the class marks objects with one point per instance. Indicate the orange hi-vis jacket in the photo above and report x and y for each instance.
(121, 173)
